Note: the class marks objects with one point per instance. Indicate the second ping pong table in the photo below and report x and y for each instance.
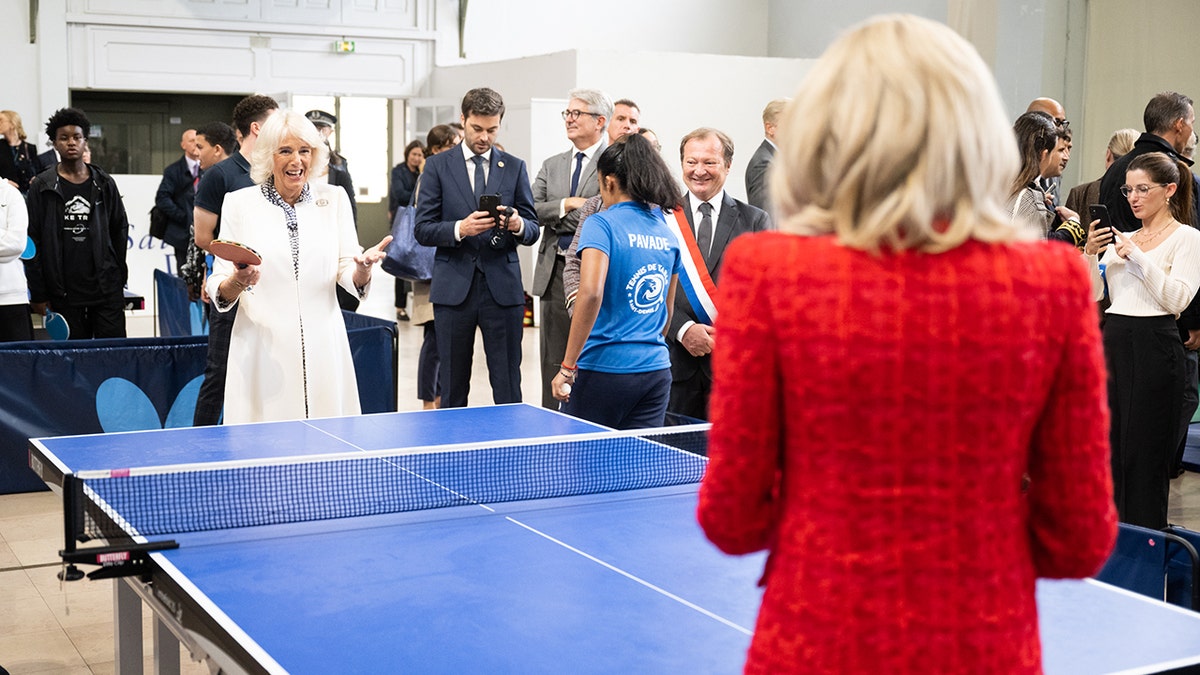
(602, 582)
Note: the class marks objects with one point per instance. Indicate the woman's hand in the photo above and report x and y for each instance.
(1124, 245)
(560, 387)
(367, 259)
(242, 279)
(374, 254)
(1098, 238)
(246, 276)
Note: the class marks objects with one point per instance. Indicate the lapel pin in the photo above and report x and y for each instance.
(500, 164)
(322, 202)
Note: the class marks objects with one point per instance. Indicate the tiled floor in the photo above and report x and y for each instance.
(66, 629)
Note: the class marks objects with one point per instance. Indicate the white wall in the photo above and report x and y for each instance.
(804, 28)
(1134, 51)
(679, 92)
(507, 29)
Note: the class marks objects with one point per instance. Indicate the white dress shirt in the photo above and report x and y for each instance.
(589, 156)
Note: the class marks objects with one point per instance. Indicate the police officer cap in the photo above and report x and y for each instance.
(320, 118)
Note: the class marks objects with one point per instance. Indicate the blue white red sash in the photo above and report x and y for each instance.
(696, 282)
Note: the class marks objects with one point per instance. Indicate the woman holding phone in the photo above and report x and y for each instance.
(1152, 275)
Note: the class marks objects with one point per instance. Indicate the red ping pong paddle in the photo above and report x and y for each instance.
(238, 254)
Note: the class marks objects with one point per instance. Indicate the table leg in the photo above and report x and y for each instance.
(166, 650)
(127, 628)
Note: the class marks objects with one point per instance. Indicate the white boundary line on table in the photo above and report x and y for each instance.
(629, 575)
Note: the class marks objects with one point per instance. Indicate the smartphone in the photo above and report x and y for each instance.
(1100, 212)
(491, 204)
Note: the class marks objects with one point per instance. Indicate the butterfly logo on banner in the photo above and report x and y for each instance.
(122, 406)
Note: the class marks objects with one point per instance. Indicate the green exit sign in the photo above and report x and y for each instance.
(344, 46)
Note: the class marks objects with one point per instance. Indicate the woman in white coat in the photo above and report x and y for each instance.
(289, 357)
(14, 293)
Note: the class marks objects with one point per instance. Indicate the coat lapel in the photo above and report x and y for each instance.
(458, 173)
(588, 177)
(495, 171)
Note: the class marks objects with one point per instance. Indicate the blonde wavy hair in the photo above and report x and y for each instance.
(898, 126)
(15, 120)
(280, 125)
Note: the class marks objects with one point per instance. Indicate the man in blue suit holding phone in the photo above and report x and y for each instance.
(476, 207)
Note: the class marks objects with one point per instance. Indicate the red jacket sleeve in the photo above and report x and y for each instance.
(1072, 518)
(739, 494)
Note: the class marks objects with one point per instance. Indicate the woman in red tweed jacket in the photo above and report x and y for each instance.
(908, 403)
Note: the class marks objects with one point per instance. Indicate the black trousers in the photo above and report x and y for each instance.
(556, 326)
(1145, 390)
(501, 327)
(620, 400)
(690, 396)
(15, 323)
(210, 402)
(428, 365)
(105, 320)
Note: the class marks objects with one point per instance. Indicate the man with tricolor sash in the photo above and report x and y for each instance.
(709, 220)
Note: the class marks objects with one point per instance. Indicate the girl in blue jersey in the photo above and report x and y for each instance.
(617, 370)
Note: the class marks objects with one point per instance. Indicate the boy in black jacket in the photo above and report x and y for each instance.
(78, 223)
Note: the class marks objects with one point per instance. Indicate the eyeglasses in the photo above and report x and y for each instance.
(574, 114)
(1062, 122)
(1141, 190)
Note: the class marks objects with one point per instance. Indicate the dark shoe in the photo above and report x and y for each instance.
(401, 315)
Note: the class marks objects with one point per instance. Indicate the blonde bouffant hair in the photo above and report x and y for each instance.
(897, 139)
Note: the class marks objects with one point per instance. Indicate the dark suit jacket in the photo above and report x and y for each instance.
(48, 159)
(11, 170)
(553, 183)
(175, 197)
(736, 218)
(447, 197)
(756, 175)
(341, 177)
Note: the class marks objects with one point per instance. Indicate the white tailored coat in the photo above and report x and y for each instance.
(289, 357)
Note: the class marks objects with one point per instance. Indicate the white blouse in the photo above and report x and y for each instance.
(1160, 281)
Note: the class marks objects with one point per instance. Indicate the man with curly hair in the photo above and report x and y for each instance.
(77, 221)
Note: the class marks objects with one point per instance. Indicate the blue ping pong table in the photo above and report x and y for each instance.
(604, 582)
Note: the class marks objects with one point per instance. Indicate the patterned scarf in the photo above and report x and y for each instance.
(289, 212)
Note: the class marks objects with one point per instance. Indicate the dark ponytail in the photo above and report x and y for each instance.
(1183, 206)
(641, 172)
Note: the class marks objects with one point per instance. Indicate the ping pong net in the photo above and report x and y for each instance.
(126, 506)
